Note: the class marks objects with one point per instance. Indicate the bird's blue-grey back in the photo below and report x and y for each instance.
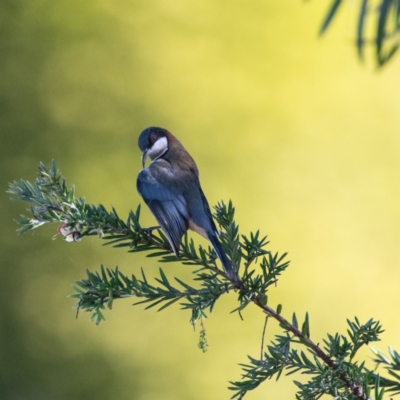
(169, 209)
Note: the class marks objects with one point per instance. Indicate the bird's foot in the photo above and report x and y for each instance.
(150, 231)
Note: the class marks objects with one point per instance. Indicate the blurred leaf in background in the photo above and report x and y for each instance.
(376, 26)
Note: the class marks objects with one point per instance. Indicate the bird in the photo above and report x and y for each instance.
(170, 187)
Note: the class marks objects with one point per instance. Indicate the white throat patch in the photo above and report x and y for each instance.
(158, 148)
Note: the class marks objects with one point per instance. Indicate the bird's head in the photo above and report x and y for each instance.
(153, 142)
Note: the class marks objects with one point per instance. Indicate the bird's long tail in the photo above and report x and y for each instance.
(226, 263)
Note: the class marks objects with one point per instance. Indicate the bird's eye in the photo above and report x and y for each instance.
(153, 138)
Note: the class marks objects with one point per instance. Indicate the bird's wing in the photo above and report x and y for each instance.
(208, 212)
(169, 208)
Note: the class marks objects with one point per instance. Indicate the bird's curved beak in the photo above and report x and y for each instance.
(144, 156)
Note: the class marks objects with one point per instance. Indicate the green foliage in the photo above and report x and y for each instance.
(392, 365)
(385, 17)
(100, 289)
(330, 370)
(333, 8)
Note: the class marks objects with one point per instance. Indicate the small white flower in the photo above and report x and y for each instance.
(64, 230)
(73, 237)
(71, 234)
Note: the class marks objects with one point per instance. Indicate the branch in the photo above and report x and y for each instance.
(332, 367)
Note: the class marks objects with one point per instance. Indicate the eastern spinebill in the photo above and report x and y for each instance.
(171, 188)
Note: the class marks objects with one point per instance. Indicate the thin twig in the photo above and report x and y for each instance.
(263, 337)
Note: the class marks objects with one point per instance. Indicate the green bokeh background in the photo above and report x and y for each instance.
(293, 129)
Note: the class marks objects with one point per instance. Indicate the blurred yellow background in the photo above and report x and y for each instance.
(302, 137)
